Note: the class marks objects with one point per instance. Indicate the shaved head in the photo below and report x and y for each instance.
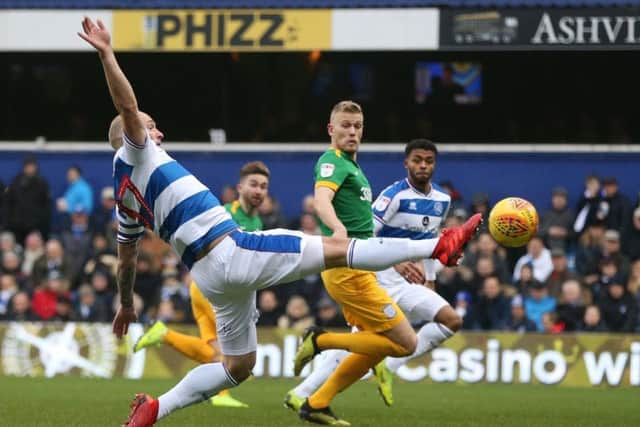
(116, 130)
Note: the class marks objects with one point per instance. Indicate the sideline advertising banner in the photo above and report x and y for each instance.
(222, 30)
(577, 360)
(30, 349)
(545, 29)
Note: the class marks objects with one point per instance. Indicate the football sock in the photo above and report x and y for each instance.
(430, 336)
(364, 342)
(194, 348)
(323, 366)
(349, 371)
(197, 386)
(380, 253)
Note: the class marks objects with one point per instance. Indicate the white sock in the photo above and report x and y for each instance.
(330, 361)
(430, 336)
(197, 386)
(381, 253)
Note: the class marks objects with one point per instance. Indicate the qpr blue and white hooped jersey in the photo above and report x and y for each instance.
(402, 210)
(154, 191)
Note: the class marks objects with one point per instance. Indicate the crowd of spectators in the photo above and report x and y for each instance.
(580, 273)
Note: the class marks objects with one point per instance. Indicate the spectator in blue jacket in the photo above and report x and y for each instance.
(79, 194)
(538, 302)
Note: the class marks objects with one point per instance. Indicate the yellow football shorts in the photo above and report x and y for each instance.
(365, 303)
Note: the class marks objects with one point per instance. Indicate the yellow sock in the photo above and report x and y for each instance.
(350, 370)
(224, 393)
(194, 348)
(362, 343)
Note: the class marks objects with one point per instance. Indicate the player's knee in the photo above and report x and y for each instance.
(449, 318)
(404, 339)
(240, 367)
(454, 323)
(408, 345)
(335, 251)
(240, 372)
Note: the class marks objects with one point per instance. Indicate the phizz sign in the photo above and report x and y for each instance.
(546, 29)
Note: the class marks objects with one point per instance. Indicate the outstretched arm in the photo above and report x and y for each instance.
(120, 89)
(126, 276)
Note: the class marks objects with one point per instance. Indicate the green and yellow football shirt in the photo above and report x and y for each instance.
(244, 220)
(352, 201)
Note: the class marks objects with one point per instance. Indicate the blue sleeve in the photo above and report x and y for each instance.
(385, 205)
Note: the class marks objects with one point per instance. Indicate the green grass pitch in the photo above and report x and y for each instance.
(90, 402)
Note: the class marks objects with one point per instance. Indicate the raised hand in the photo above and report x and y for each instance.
(96, 35)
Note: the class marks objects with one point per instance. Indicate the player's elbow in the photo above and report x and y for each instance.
(126, 264)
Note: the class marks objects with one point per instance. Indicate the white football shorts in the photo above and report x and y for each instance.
(242, 263)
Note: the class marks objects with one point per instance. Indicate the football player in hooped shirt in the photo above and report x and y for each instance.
(252, 189)
(415, 208)
(155, 192)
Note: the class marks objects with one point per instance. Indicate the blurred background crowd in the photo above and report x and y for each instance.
(581, 273)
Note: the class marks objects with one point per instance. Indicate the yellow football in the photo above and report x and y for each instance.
(513, 222)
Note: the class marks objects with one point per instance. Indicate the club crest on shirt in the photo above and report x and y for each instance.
(326, 169)
(438, 207)
(389, 311)
(413, 206)
(382, 203)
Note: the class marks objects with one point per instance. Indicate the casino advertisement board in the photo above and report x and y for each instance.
(91, 350)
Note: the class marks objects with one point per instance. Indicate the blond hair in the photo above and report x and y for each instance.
(346, 106)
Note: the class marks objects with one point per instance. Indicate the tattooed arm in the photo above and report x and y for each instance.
(127, 259)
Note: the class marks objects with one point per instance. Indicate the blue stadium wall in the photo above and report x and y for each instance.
(524, 174)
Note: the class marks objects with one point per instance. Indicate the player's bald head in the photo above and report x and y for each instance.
(116, 129)
(116, 132)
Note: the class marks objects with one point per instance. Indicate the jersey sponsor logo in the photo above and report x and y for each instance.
(389, 311)
(382, 203)
(438, 208)
(366, 194)
(327, 169)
